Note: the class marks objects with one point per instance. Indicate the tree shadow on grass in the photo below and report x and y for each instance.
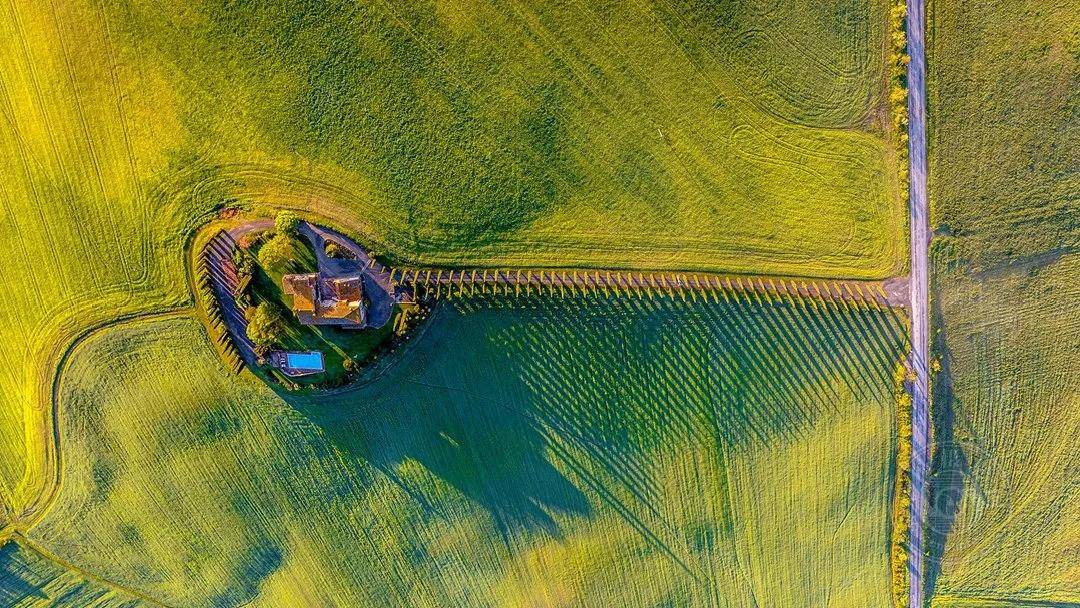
(17, 582)
(476, 440)
(949, 464)
(255, 567)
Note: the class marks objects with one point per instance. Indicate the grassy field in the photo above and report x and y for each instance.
(1009, 459)
(725, 137)
(89, 229)
(578, 453)
(1004, 134)
(30, 580)
(1002, 88)
(746, 138)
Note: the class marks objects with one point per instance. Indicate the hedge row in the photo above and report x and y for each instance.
(214, 321)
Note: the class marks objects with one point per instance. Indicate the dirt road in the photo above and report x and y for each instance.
(918, 285)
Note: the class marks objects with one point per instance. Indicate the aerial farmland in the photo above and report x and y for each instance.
(530, 304)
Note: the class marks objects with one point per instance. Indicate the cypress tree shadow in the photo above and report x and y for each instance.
(17, 576)
(523, 404)
(949, 464)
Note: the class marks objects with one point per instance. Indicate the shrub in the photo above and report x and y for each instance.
(265, 326)
(333, 250)
(277, 253)
(286, 222)
(246, 266)
(902, 505)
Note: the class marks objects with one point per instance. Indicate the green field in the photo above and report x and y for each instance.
(740, 137)
(585, 452)
(1002, 88)
(1009, 465)
(1004, 134)
(30, 580)
(745, 137)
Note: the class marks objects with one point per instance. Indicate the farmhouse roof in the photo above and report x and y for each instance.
(302, 288)
(318, 299)
(341, 299)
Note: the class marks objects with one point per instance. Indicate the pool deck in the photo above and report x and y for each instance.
(287, 361)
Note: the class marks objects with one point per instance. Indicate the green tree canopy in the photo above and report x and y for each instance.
(287, 223)
(278, 253)
(265, 327)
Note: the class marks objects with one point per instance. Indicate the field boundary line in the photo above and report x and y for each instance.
(44, 553)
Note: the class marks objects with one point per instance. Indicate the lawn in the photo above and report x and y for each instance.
(583, 453)
(1007, 490)
(724, 136)
(94, 207)
(1002, 86)
(1004, 133)
(744, 138)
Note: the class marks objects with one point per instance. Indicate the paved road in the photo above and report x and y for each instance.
(918, 286)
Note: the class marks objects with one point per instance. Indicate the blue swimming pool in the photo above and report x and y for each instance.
(305, 361)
